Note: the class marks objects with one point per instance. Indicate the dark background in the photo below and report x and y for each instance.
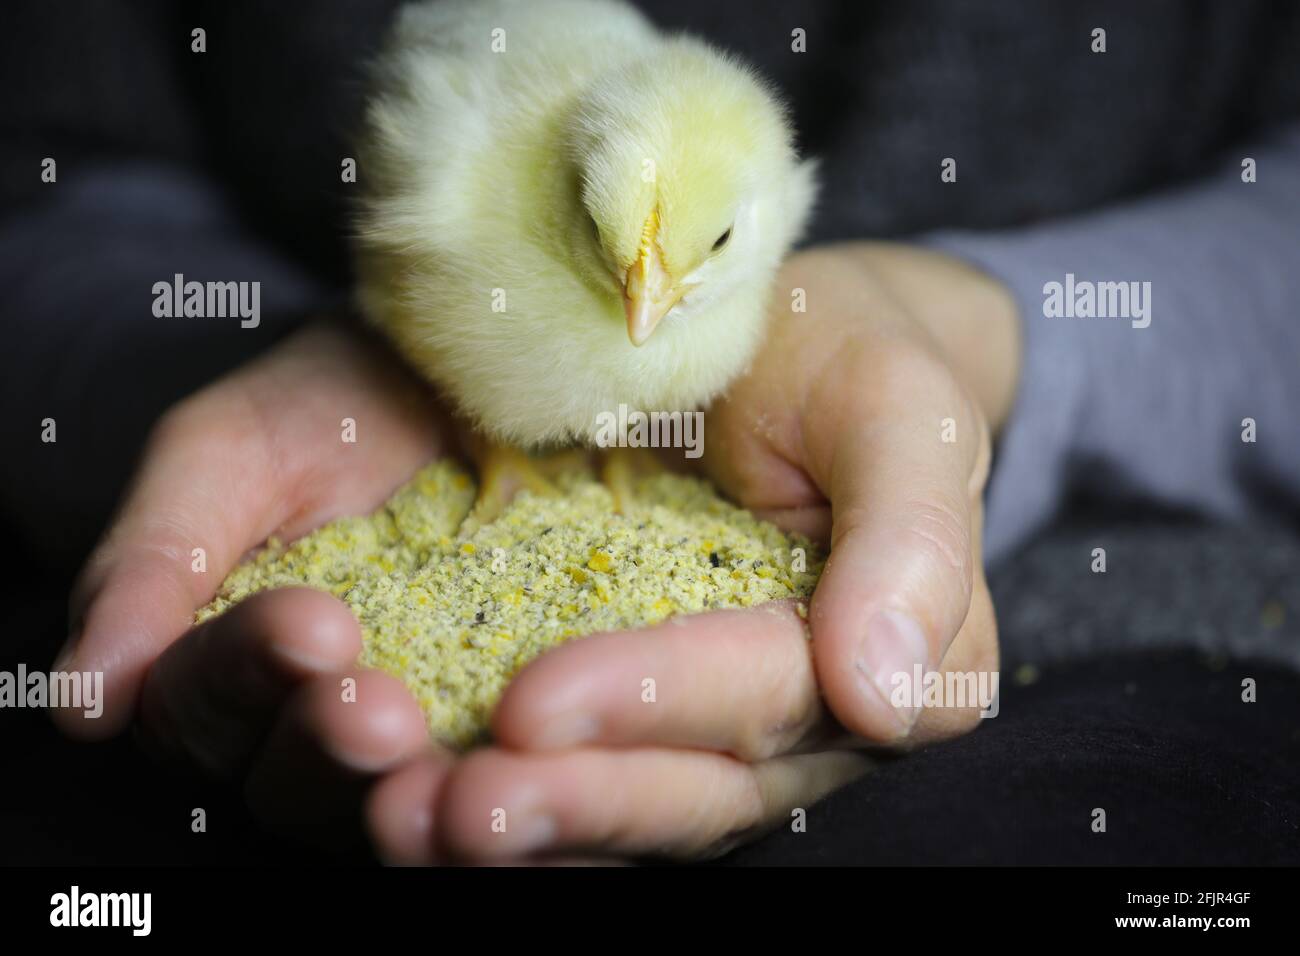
(1132, 703)
(1137, 711)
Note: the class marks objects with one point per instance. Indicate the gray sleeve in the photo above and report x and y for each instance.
(1149, 405)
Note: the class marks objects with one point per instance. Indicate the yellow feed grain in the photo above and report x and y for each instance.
(456, 617)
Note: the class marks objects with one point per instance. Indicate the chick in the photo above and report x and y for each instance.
(566, 210)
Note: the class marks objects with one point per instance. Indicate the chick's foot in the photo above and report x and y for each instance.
(503, 473)
(620, 470)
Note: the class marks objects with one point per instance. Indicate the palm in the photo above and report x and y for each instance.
(254, 693)
(833, 433)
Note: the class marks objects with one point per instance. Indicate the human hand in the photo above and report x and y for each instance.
(254, 695)
(742, 730)
(840, 430)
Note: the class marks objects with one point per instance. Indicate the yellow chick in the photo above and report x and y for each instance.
(566, 210)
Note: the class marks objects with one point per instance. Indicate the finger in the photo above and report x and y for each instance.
(213, 695)
(140, 589)
(736, 681)
(813, 522)
(256, 455)
(897, 586)
(336, 736)
(973, 653)
(399, 812)
(499, 805)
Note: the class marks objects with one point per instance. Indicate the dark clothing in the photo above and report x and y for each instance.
(225, 165)
(1042, 126)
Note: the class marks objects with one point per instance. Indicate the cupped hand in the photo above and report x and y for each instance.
(256, 694)
(865, 423)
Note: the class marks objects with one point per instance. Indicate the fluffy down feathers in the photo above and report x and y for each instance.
(513, 156)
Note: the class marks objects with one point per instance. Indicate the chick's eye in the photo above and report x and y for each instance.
(722, 240)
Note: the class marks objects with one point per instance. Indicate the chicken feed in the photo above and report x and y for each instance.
(456, 616)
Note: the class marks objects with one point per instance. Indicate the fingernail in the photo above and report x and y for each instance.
(413, 847)
(567, 730)
(303, 660)
(356, 762)
(531, 831)
(892, 651)
(68, 651)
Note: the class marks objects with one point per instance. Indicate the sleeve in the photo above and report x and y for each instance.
(90, 353)
(137, 192)
(1161, 356)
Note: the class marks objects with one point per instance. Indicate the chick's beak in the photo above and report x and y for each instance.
(648, 291)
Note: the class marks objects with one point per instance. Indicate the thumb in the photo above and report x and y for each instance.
(897, 586)
(252, 455)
